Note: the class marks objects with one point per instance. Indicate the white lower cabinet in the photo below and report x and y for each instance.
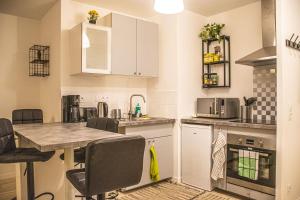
(161, 137)
(196, 148)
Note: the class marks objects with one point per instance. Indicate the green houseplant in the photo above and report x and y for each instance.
(211, 31)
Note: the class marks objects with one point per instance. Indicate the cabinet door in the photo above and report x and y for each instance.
(164, 150)
(147, 48)
(96, 49)
(123, 45)
(196, 156)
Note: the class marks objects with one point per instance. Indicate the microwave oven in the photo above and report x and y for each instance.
(220, 108)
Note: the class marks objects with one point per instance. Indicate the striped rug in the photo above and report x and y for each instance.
(171, 191)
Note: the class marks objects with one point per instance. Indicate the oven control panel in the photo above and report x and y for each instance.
(250, 141)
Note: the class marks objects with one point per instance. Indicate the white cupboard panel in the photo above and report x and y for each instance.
(123, 45)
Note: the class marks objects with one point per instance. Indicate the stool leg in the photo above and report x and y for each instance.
(30, 181)
(101, 197)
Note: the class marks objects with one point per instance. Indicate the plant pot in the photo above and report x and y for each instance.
(93, 21)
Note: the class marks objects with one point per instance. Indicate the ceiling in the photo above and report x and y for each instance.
(144, 8)
(34, 9)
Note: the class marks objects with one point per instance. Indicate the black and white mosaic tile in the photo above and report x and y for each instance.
(265, 89)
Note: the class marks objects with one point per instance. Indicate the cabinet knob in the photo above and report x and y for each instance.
(134, 73)
(140, 73)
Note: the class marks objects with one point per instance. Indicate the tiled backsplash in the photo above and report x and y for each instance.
(115, 97)
(265, 88)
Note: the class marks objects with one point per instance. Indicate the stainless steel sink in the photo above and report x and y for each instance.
(136, 119)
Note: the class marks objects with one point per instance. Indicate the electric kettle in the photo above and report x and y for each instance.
(102, 109)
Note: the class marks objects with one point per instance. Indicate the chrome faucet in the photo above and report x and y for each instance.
(130, 109)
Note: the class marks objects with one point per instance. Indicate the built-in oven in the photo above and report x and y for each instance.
(251, 162)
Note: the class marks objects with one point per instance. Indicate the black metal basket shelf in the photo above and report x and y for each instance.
(39, 61)
(208, 68)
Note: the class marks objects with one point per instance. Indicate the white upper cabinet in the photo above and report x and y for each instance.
(90, 47)
(147, 48)
(134, 45)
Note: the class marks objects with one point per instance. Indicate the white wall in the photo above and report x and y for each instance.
(243, 25)
(116, 89)
(50, 86)
(288, 84)
(17, 89)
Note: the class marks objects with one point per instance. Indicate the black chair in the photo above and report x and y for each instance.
(105, 124)
(110, 164)
(27, 116)
(10, 154)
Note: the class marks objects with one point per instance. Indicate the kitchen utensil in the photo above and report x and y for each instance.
(116, 114)
(246, 113)
(246, 101)
(88, 113)
(251, 101)
(102, 109)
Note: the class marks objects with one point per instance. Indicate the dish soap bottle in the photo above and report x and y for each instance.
(138, 110)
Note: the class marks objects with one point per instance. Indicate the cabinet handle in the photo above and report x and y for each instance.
(195, 133)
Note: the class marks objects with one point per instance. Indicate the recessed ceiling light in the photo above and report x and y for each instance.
(168, 6)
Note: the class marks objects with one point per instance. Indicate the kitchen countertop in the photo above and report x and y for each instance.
(220, 122)
(145, 122)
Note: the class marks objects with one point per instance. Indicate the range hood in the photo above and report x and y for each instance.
(266, 55)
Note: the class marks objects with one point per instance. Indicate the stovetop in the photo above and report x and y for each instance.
(252, 121)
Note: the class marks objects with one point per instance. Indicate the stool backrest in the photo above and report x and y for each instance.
(27, 116)
(113, 163)
(105, 124)
(7, 141)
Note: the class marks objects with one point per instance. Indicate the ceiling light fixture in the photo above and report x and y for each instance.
(168, 6)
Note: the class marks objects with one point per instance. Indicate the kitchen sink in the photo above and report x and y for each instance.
(136, 119)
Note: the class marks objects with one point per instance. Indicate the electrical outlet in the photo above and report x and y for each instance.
(290, 113)
(289, 188)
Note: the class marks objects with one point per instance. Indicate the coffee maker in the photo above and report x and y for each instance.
(70, 108)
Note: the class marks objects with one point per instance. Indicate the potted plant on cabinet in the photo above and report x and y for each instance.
(93, 16)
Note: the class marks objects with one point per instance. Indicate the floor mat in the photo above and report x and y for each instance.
(214, 196)
(162, 191)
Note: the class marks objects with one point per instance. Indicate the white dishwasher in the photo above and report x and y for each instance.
(196, 148)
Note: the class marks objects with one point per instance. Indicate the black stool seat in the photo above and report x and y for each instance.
(79, 155)
(77, 178)
(19, 155)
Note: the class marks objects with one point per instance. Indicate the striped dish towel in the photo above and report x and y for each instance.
(218, 156)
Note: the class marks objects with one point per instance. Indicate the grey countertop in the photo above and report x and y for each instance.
(219, 122)
(145, 122)
(53, 136)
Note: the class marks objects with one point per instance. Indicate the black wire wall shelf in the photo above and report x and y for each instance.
(211, 71)
(39, 61)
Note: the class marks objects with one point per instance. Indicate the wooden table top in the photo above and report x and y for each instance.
(54, 136)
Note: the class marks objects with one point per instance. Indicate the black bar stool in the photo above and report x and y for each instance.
(10, 154)
(110, 164)
(105, 124)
